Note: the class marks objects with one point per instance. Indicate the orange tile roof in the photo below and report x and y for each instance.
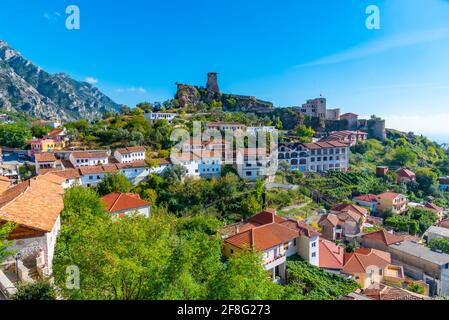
(388, 195)
(265, 217)
(383, 292)
(406, 173)
(44, 157)
(331, 255)
(332, 218)
(35, 203)
(263, 237)
(367, 198)
(301, 227)
(55, 132)
(362, 259)
(129, 150)
(89, 155)
(350, 207)
(325, 145)
(117, 201)
(384, 237)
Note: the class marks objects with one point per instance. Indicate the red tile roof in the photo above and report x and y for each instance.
(384, 237)
(89, 155)
(388, 195)
(117, 201)
(363, 259)
(129, 150)
(265, 217)
(367, 198)
(263, 237)
(406, 173)
(325, 145)
(331, 218)
(383, 292)
(301, 227)
(433, 207)
(350, 207)
(55, 132)
(44, 157)
(331, 255)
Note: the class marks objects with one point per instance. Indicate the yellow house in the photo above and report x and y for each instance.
(46, 145)
(391, 201)
(371, 266)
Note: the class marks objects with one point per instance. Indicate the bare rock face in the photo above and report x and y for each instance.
(26, 87)
(187, 95)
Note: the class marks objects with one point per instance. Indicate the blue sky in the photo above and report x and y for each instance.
(284, 51)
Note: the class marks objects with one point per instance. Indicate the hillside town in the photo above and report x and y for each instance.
(363, 207)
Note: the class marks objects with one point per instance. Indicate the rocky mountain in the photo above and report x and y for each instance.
(26, 87)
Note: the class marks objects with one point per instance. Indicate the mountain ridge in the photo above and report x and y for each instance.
(28, 88)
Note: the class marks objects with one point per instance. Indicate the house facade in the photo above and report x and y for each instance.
(276, 238)
(315, 157)
(88, 158)
(391, 201)
(130, 154)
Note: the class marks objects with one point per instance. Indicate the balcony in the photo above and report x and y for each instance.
(278, 260)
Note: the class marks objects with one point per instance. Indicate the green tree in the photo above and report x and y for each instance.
(404, 157)
(244, 278)
(5, 230)
(14, 135)
(426, 178)
(40, 290)
(440, 244)
(115, 182)
(304, 133)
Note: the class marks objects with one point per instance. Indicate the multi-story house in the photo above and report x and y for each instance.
(44, 145)
(88, 158)
(255, 163)
(34, 206)
(315, 157)
(226, 126)
(46, 161)
(276, 238)
(391, 201)
(370, 266)
(318, 108)
(130, 154)
(342, 221)
(405, 175)
(58, 135)
(153, 116)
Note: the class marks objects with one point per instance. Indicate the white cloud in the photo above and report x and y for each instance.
(91, 80)
(382, 45)
(138, 90)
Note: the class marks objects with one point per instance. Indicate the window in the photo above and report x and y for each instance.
(232, 251)
(313, 254)
(294, 242)
(313, 244)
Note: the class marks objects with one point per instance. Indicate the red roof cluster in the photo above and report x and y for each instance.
(267, 230)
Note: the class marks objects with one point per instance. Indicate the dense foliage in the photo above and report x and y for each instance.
(5, 230)
(40, 290)
(440, 244)
(312, 283)
(415, 221)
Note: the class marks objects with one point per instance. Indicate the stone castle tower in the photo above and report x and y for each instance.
(212, 83)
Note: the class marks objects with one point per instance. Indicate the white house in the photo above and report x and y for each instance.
(126, 204)
(34, 206)
(276, 238)
(153, 116)
(88, 158)
(315, 157)
(130, 154)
